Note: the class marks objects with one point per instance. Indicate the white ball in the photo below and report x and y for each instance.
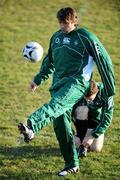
(33, 52)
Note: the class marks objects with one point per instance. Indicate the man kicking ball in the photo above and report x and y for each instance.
(71, 57)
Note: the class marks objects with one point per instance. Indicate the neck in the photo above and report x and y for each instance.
(70, 29)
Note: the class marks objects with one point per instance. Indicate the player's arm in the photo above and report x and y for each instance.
(107, 113)
(102, 60)
(104, 65)
(46, 69)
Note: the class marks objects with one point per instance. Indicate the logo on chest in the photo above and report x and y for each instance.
(75, 42)
(66, 40)
(57, 40)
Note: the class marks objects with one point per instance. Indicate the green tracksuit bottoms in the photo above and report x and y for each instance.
(58, 111)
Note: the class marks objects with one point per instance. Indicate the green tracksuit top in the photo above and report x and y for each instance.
(73, 55)
(99, 111)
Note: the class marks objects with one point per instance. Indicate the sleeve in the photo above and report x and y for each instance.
(104, 64)
(46, 69)
(107, 113)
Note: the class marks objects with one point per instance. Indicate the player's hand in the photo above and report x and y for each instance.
(33, 86)
(87, 141)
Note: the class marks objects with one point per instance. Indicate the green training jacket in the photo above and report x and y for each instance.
(73, 55)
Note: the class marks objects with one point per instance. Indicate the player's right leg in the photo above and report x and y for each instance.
(26, 131)
(81, 121)
(97, 144)
(62, 100)
(81, 124)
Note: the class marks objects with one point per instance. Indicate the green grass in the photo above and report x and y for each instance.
(34, 20)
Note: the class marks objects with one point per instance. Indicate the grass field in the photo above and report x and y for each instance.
(34, 20)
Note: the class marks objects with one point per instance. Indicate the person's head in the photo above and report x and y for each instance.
(67, 18)
(93, 90)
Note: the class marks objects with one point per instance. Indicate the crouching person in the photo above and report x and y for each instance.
(92, 117)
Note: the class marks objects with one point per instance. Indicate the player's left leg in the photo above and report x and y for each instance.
(64, 134)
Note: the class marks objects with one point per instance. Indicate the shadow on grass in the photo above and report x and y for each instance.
(38, 153)
(28, 151)
(3, 128)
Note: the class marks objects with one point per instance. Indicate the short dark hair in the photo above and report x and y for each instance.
(66, 14)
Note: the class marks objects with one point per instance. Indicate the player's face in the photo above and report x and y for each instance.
(93, 88)
(91, 97)
(93, 91)
(67, 27)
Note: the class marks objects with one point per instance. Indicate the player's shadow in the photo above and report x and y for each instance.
(29, 151)
(3, 128)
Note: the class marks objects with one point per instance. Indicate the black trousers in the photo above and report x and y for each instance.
(82, 126)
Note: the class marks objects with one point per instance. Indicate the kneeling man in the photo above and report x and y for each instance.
(92, 117)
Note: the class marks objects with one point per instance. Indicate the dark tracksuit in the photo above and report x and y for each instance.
(71, 59)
